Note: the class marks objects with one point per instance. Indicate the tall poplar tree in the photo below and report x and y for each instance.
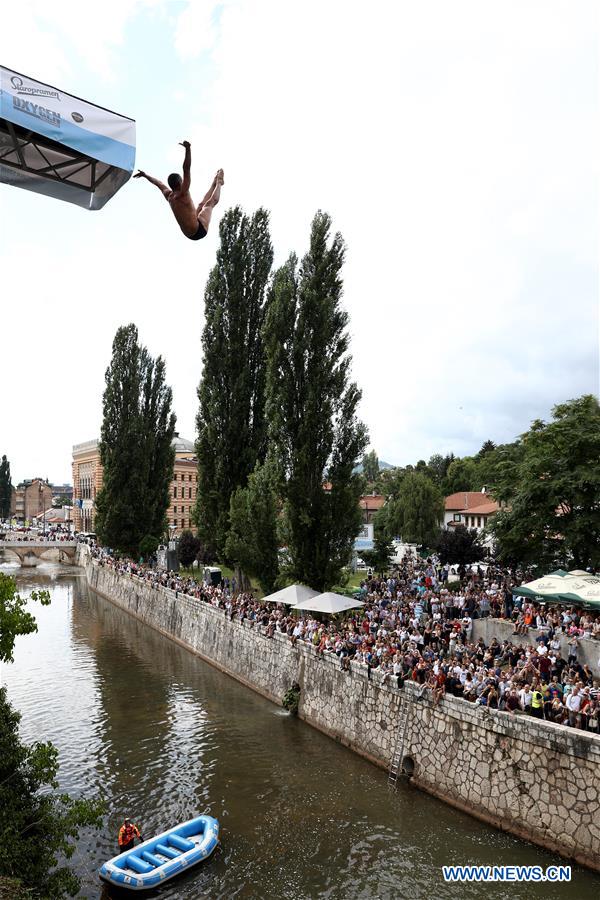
(311, 409)
(136, 446)
(5, 488)
(231, 422)
(252, 542)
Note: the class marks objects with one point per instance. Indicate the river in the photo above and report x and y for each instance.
(164, 736)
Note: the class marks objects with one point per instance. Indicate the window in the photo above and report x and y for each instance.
(175, 509)
(175, 492)
(190, 492)
(479, 521)
(456, 517)
(174, 476)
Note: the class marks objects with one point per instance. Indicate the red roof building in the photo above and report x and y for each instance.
(371, 504)
(469, 508)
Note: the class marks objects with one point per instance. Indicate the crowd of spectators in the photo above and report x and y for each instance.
(416, 625)
(50, 533)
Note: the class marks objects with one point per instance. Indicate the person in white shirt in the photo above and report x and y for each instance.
(525, 698)
(573, 703)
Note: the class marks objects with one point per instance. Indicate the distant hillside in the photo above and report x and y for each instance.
(382, 465)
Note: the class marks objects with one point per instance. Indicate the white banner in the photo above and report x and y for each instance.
(82, 126)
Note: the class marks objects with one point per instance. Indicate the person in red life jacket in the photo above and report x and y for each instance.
(127, 835)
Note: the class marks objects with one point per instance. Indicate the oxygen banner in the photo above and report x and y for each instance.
(57, 144)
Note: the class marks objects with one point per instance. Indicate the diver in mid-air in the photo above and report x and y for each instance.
(193, 220)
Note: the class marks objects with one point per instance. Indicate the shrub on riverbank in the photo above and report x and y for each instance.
(39, 827)
(291, 699)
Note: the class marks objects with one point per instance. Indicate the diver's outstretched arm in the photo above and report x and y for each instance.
(187, 167)
(162, 187)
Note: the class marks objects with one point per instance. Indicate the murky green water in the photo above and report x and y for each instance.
(165, 737)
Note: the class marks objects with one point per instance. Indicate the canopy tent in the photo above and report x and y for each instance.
(58, 145)
(571, 588)
(294, 593)
(328, 603)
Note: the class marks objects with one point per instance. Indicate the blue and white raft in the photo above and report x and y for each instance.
(156, 861)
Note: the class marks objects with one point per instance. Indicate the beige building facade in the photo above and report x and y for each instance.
(87, 481)
(30, 498)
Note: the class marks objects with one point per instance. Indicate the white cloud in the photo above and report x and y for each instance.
(455, 145)
(196, 28)
(52, 41)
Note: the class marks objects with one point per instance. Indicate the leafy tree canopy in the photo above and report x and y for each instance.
(551, 482)
(416, 512)
(380, 557)
(311, 410)
(231, 421)
(188, 548)
(252, 542)
(136, 448)
(14, 618)
(5, 488)
(460, 546)
(38, 825)
(370, 466)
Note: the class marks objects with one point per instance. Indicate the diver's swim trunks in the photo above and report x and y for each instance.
(201, 233)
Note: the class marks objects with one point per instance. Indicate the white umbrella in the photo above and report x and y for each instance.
(328, 603)
(292, 594)
(564, 587)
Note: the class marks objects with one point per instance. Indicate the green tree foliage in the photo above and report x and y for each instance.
(188, 548)
(38, 825)
(5, 488)
(389, 481)
(551, 482)
(14, 618)
(311, 410)
(437, 467)
(462, 475)
(252, 542)
(370, 466)
(136, 446)
(380, 557)
(417, 511)
(486, 447)
(59, 502)
(460, 546)
(148, 546)
(231, 423)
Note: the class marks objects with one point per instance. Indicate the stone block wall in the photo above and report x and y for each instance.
(537, 780)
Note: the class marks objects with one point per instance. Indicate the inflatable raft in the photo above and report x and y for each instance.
(156, 861)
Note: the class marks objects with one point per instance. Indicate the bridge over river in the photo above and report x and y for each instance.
(33, 552)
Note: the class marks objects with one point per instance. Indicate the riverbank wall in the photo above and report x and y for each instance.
(534, 779)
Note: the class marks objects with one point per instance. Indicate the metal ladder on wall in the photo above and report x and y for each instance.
(396, 763)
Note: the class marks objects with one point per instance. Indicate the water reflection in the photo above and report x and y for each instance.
(165, 737)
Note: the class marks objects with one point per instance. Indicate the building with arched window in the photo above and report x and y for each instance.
(87, 481)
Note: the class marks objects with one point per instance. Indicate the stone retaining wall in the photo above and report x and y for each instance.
(537, 780)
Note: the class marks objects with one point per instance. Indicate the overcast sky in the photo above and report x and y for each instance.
(456, 146)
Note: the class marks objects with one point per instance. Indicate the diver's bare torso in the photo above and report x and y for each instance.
(184, 211)
(193, 220)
